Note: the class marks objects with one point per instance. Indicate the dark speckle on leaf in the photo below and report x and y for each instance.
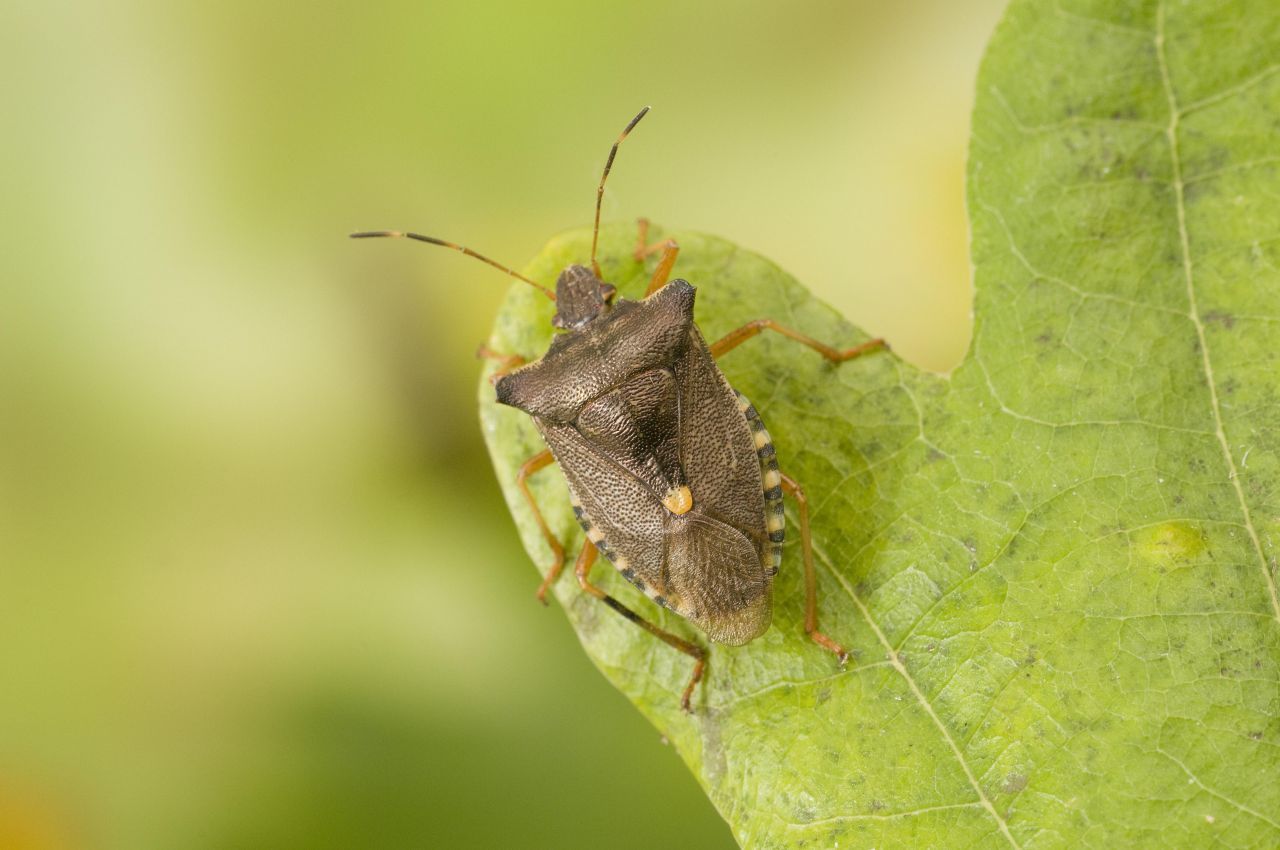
(1218, 317)
(1015, 783)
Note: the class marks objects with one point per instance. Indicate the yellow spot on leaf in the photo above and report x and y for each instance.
(1170, 541)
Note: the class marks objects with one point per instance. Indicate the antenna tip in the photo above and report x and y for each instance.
(375, 234)
(634, 121)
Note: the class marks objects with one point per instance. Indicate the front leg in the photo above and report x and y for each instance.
(539, 461)
(669, 250)
(506, 362)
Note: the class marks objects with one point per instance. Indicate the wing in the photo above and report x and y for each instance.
(725, 548)
(718, 451)
(705, 570)
(715, 573)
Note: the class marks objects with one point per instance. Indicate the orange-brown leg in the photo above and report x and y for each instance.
(734, 338)
(790, 486)
(699, 655)
(539, 461)
(669, 250)
(506, 362)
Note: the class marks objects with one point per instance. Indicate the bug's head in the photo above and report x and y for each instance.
(580, 297)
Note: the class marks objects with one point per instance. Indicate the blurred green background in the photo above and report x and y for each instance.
(257, 586)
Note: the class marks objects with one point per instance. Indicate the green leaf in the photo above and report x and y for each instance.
(1055, 567)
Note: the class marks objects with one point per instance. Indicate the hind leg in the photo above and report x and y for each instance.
(793, 489)
(699, 655)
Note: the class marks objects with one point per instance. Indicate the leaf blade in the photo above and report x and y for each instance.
(1062, 628)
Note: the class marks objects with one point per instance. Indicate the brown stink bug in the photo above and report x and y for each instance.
(671, 472)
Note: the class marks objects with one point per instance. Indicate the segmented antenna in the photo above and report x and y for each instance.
(396, 234)
(613, 151)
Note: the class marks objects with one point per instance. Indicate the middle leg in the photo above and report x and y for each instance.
(736, 337)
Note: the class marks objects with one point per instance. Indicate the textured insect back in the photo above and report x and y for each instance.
(581, 365)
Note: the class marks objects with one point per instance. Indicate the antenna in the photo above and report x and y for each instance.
(613, 151)
(396, 234)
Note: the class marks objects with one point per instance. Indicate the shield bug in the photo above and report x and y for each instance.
(671, 472)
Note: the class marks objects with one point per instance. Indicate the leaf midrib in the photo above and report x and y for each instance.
(1188, 270)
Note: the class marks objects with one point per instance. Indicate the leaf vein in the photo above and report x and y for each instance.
(1189, 273)
(891, 816)
(1223, 797)
(898, 665)
(1230, 91)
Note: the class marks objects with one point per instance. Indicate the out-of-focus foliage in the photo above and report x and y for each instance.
(257, 583)
(1055, 568)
